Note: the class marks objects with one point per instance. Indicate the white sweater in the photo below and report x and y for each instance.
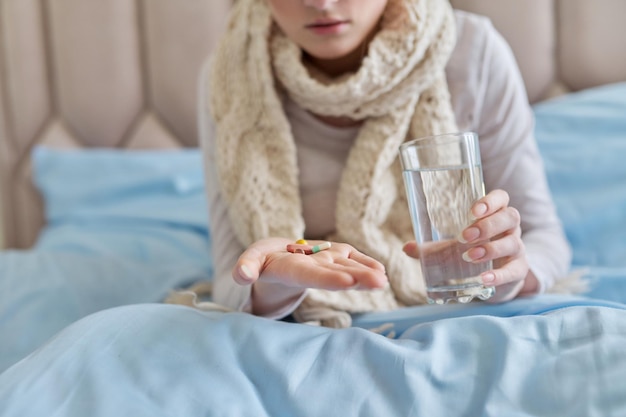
(488, 97)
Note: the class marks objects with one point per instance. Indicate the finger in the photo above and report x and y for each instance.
(365, 277)
(508, 281)
(348, 251)
(412, 249)
(503, 221)
(514, 270)
(327, 270)
(489, 204)
(366, 260)
(247, 269)
(328, 276)
(507, 246)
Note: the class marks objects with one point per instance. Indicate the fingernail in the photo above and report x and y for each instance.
(476, 254)
(478, 210)
(245, 271)
(469, 235)
(488, 278)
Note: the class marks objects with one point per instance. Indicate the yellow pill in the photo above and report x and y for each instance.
(301, 242)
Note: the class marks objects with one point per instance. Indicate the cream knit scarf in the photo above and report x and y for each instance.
(400, 92)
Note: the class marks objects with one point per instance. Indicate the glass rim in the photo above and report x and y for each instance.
(418, 142)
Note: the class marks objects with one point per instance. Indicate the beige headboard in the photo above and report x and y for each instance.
(122, 73)
(560, 45)
(97, 73)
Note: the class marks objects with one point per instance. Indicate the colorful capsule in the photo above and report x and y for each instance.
(307, 249)
(321, 247)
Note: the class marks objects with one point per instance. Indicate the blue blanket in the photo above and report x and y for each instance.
(82, 333)
(159, 360)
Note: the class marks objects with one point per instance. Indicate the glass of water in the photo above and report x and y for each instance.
(443, 179)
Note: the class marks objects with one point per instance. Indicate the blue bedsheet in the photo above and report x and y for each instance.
(82, 333)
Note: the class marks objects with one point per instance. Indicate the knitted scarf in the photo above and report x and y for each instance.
(399, 92)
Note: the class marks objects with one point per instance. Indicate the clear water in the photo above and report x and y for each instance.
(438, 217)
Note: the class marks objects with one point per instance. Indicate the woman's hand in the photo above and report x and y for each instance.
(498, 237)
(279, 276)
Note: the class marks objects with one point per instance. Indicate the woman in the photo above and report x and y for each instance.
(303, 107)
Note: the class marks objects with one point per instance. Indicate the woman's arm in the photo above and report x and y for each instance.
(225, 248)
(512, 162)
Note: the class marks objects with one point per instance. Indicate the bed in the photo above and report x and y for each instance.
(104, 213)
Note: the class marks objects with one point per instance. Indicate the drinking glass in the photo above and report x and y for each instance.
(443, 179)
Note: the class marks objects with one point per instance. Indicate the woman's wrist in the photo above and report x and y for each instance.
(531, 285)
(274, 299)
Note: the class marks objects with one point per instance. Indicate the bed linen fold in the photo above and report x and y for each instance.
(161, 360)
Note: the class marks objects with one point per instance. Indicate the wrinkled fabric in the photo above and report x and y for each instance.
(163, 360)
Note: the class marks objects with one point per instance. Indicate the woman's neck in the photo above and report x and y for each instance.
(336, 67)
(337, 121)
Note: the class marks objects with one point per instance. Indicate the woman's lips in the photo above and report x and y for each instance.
(328, 27)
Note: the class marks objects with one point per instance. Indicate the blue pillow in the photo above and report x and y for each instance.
(582, 137)
(106, 184)
(124, 227)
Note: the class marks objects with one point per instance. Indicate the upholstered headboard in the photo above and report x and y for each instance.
(560, 45)
(104, 73)
(122, 73)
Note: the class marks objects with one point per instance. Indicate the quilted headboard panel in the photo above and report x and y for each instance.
(560, 45)
(122, 73)
(101, 73)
